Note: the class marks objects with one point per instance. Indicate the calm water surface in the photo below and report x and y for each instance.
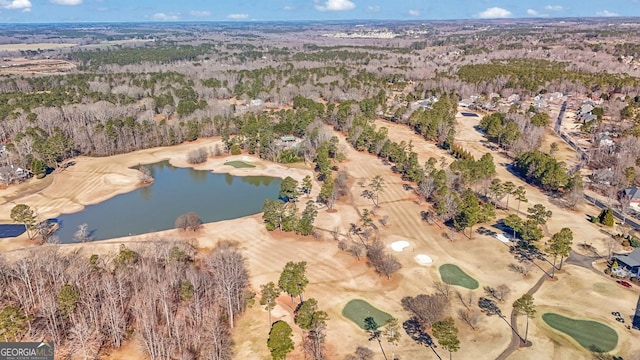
(175, 191)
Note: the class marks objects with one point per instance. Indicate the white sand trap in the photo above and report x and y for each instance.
(503, 238)
(423, 259)
(399, 246)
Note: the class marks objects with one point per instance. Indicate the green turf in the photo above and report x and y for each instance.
(357, 310)
(453, 275)
(592, 335)
(239, 164)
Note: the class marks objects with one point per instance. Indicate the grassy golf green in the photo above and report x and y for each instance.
(239, 164)
(592, 335)
(453, 275)
(357, 310)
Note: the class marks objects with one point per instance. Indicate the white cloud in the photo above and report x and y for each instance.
(164, 17)
(67, 2)
(24, 5)
(373, 8)
(200, 13)
(334, 5)
(494, 13)
(288, 8)
(414, 12)
(238, 16)
(553, 8)
(536, 13)
(606, 13)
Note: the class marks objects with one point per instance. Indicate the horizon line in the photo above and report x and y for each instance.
(254, 21)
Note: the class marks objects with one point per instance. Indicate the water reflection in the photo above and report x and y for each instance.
(175, 191)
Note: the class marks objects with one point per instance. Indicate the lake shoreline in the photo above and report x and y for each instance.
(93, 180)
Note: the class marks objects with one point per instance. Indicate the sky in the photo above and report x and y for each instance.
(54, 11)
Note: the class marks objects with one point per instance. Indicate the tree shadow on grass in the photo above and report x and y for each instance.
(414, 329)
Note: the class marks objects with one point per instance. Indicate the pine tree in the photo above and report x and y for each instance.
(269, 293)
(279, 342)
(606, 217)
(447, 334)
(524, 306)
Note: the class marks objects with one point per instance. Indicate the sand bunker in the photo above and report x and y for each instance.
(423, 259)
(398, 246)
(503, 238)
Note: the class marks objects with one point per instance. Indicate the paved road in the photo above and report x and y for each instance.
(516, 342)
(584, 158)
(581, 260)
(632, 222)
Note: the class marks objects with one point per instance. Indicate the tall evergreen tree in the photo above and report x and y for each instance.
(525, 306)
(293, 279)
(279, 341)
(447, 334)
(268, 295)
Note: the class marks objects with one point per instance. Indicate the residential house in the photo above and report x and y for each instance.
(539, 101)
(586, 108)
(627, 264)
(602, 176)
(288, 141)
(10, 174)
(494, 96)
(425, 103)
(604, 140)
(632, 194)
(465, 102)
(586, 117)
(513, 99)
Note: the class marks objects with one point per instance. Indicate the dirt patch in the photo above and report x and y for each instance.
(34, 66)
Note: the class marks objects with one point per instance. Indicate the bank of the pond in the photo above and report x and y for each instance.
(175, 191)
(90, 181)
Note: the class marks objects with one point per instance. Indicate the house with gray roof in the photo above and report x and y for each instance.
(632, 194)
(630, 263)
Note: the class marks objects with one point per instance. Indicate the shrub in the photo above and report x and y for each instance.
(197, 156)
(606, 217)
(235, 149)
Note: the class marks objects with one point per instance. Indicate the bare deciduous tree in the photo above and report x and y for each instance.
(426, 308)
(523, 268)
(467, 300)
(443, 289)
(470, 316)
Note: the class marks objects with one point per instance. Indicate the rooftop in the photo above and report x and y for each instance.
(631, 259)
(632, 193)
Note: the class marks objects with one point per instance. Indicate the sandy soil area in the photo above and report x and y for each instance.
(34, 46)
(34, 66)
(336, 277)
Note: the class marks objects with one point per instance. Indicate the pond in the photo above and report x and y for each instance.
(175, 191)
